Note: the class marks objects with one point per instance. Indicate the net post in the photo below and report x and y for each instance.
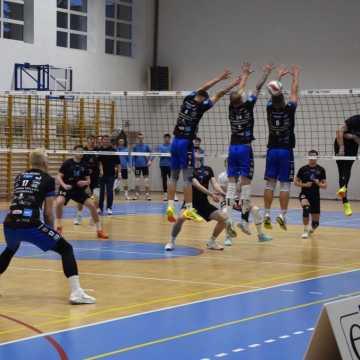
(65, 126)
(47, 123)
(81, 120)
(29, 128)
(9, 143)
(112, 117)
(97, 117)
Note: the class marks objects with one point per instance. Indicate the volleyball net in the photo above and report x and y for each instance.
(59, 121)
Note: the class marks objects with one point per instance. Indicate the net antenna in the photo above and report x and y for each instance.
(29, 77)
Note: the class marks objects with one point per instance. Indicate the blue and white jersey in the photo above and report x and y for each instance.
(281, 126)
(242, 121)
(191, 112)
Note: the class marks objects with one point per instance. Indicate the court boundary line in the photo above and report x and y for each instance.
(175, 307)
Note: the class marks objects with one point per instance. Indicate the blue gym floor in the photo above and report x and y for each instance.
(272, 323)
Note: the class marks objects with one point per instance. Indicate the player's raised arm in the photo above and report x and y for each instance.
(266, 72)
(281, 72)
(220, 94)
(244, 76)
(208, 85)
(295, 73)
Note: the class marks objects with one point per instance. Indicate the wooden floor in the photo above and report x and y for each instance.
(35, 291)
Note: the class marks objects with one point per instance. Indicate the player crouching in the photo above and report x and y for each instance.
(203, 177)
(311, 178)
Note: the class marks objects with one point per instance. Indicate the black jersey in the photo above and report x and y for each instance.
(203, 174)
(30, 190)
(281, 126)
(353, 125)
(242, 122)
(74, 171)
(309, 174)
(190, 115)
(92, 163)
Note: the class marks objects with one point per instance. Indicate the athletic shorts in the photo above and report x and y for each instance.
(204, 209)
(240, 161)
(141, 170)
(182, 154)
(351, 148)
(41, 236)
(78, 195)
(280, 165)
(314, 202)
(124, 174)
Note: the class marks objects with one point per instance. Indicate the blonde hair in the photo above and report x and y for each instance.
(38, 159)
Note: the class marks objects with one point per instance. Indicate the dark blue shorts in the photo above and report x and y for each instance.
(240, 161)
(182, 154)
(42, 236)
(280, 165)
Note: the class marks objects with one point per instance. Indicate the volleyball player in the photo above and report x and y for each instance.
(34, 190)
(203, 176)
(280, 156)
(165, 163)
(223, 181)
(124, 164)
(74, 179)
(311, 178)
(240, 158)
(347, 144)
(192, 110)
(92, 164)
(141, 165)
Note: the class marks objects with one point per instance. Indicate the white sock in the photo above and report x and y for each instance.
(213, 238)
(171, 203)
(126, 193)
(74, 282)
(188, 205)
(267, 212)
(98, 226)
(259, 228)
(283, 213)
(173, 239)
(78, 213)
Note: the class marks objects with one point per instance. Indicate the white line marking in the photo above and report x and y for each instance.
(252, 346)
(315, 293)
(221, 355)
(287, 291)
(50, 333)
(298, 332)
(269, 341)
(137, 277)
(238, 350)
(284, 336)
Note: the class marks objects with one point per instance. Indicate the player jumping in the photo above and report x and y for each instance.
(182, 153)
(280, 156)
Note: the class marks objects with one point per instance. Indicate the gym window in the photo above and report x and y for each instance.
(72, 23)
(12, 19)
(118, 27)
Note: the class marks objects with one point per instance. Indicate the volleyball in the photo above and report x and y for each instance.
(274, 87)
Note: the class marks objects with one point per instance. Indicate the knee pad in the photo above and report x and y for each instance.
(146, 181)
(126, 183)
(245, 197)
(306, 211)
(270, 185)
(256, 215)
(285, 187)
(188, 176)
(174, 176)
(315, 224)
(231, 191)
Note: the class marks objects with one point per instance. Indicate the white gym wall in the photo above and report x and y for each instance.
(199, 38)
(93, 69)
